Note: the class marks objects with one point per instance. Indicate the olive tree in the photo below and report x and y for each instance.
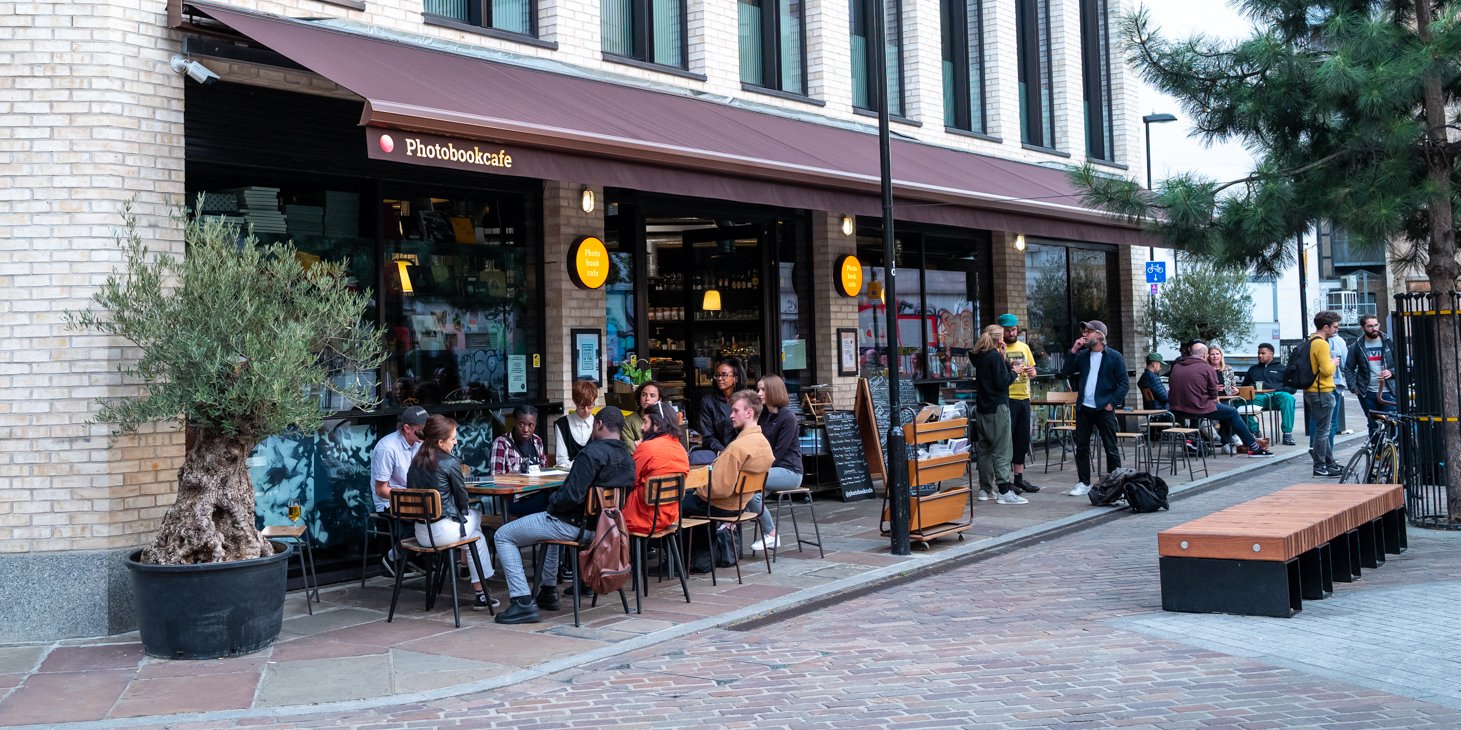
(1203, 302)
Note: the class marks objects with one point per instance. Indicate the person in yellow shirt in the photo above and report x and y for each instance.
(1319, 397)
(1019, 355)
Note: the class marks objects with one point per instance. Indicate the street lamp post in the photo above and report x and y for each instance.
(1147, 122)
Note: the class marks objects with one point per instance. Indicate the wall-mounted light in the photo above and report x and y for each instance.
(406, 287)
(586, 199)
(849, 225)
(1019, 242)
(711, 303)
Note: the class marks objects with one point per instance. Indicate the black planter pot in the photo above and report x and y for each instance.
(211, 610)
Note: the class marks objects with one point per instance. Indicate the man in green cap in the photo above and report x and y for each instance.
(1151, 382)
(1023, 362)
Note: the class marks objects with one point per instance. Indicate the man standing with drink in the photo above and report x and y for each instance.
(1098, 375)
(1023, 362)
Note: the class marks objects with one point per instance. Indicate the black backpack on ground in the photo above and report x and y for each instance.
(1111, 489)
(1299, 373)
(1145, 493)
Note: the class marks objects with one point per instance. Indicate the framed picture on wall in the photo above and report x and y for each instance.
(588, 354)
(847, 351)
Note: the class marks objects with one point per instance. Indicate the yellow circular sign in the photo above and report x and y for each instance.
(588, 263)
(849, 276)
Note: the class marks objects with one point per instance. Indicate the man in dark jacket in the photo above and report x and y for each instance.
(1371, 369)
(1098, 375)
(1269, 372)
(603, 462)
(1193, 389)
(1151, 382)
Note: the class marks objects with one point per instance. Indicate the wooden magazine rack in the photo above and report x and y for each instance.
(948, 511)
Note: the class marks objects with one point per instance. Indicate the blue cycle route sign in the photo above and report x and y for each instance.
(1156, 272)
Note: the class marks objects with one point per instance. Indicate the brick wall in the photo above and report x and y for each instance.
(1008, 266)
(831, 310)
(568, 307)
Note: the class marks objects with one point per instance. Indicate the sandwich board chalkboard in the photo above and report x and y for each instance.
(844, 441)
(873, 416)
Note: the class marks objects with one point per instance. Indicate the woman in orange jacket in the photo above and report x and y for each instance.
(659, 454)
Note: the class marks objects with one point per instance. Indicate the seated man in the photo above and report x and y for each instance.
(749, 451)
(1269, 372)
(1151, 382)
(603, 462)
(1193, 394)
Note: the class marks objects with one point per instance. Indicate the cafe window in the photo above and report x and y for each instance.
(1096, 79)
(864, 32)
(512, 16)
(1033, 62)
(773, 44)
(652, 31)
(963, 64)
(458, 300)
(620, 293)
(1064, 286)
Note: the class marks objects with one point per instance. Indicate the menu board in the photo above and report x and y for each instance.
(844, 441)
(878, 391)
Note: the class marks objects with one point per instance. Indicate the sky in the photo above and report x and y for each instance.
(1173, 150)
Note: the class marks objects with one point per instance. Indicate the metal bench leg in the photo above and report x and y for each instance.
(1246, 587)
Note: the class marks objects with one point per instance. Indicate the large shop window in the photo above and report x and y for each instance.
(963, 64)
(652, 31)
(1096, 75)
(943, 300)
(1064, 286)
(1033, 58)
(864, 32)
(512, 16)
(773, 44)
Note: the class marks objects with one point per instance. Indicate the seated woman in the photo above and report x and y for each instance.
(659, 454)
(434, 467)
(713, 419)
(780, 427)
(519, 449)
(1228, 382)
(646, 395)
(576, 429)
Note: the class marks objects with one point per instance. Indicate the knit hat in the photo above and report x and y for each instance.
(1008, 320)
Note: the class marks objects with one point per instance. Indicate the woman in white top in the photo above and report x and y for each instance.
(575, 429)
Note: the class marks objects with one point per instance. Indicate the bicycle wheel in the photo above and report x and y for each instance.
(1358, 468)
(1386, 466)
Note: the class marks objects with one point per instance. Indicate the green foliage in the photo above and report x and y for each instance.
(1203, 302)
(236, 337)
(1331, 98)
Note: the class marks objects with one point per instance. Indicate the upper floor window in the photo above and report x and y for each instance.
(652, 31)
(963, 43)
(773, 44)
(864, 34)
(1037, 88)
(513, 16)
(1096, 75)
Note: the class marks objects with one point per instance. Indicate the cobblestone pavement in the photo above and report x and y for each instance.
(1067, 632)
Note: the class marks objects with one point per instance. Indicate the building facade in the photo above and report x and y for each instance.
(455, 152)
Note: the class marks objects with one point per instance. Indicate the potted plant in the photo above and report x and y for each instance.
(237, 340)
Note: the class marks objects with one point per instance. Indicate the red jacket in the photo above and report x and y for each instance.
(655, 457)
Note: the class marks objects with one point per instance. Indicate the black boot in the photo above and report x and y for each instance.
(548, 598)
(522, 611)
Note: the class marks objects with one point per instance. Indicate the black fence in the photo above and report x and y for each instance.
(1418, 325)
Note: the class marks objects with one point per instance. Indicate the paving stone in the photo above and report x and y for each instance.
(20, 658)
(85, 658)
(313, 681)
(202, 693)
(330, 620)
(504, 647)
(64, 697)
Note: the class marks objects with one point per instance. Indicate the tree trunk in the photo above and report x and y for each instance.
(212, 520)
(1442, 267)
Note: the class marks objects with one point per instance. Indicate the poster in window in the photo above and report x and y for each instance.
(517, 374)
(846, 351)
(587, 354)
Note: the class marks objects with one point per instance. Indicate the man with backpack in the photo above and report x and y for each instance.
(604, 462)
(1312, 368)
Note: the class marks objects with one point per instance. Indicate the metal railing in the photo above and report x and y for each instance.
(1426, 329)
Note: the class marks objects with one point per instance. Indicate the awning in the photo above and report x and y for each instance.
(614, 135)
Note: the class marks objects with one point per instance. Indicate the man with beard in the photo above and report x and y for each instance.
(1023, 362)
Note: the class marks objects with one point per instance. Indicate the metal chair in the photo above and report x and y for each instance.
(298, 535)
(747, 483)
(373, 524)
(424, 506)
(659, 491)
(1060, 426)
(786, 496)
(570, 548)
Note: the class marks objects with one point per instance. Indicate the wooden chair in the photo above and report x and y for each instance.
(1060, 426)
(424, 506)
(1252, 412)
(570, 548)
(659, 491)
(747, 483)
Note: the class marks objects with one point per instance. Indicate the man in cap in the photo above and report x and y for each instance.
(1151, 382)
(1023, 362)
(389, 462)
(604, 462)
(1098, 375)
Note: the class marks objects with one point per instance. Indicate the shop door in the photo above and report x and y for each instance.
(727, 302)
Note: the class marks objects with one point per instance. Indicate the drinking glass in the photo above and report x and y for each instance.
(294, 511)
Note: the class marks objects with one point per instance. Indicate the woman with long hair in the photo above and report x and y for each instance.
(1226, 379)
(713, 420)
(780, 427)
(993, 375)
(645, 396)
(660, 453)
(434, 467)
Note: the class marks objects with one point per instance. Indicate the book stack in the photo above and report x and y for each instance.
(305, 220)
(342, 214)
(222, 206)
(260, 208)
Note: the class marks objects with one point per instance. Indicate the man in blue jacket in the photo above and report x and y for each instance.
(1098, 374)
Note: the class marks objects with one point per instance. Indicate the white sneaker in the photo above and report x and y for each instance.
(1081, 489)
(1011, 498)
(985, 495)
(1346, 432)
(760, 545)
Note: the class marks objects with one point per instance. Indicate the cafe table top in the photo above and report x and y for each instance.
(506, 485)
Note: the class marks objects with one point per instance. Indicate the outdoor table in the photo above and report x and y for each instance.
(511, 487)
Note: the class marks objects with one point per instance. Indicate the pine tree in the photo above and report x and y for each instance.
(1348, 108)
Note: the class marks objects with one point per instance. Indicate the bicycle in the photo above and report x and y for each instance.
(1378, 461)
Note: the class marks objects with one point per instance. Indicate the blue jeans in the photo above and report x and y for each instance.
(1319, 411)
(1370, 402)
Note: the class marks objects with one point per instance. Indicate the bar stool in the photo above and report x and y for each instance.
(298, 536)
(785, 496)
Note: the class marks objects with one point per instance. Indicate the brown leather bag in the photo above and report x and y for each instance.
(604, 564)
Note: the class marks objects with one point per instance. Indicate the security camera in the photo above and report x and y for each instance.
(195, 71)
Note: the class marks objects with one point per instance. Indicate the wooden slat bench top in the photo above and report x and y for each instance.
(1282, 525)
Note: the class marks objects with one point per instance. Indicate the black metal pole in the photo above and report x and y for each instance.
(895, 480)
(1303, 291)
(1151, 251)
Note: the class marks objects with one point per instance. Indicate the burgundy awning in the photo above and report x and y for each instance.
(623, 136)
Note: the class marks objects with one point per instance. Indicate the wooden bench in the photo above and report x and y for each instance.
(1263, 557)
